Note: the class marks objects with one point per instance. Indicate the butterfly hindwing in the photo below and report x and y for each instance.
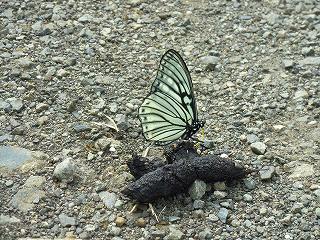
(170, 108)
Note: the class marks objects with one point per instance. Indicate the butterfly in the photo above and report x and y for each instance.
(169, 112)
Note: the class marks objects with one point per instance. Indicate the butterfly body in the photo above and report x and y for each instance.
(169, 112)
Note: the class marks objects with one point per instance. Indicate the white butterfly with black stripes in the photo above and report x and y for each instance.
(169, 112)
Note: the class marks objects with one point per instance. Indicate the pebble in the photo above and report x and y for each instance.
(85, 18)
(286, 220)
(65, 171)
(174, 234)
(252, 138)
(41, 107)
(302, 170)
(197, 189)
(4, 219)
(258, 148)
(205, 234)
(223, 214)
(81, 127)
(213, 217)
(173, 218)
(115, 231)
(108, 198)
(220, 194)
(317, 211)
(219, 186)
(267, 172)
(296, 208)
(300, 94)
(16, 104)
(67, 221)
(198, 204)
(120, 221)
(287, 63)
(210, 62)
(141, 222)
(247, 198)
(263, 211)
(310, 61)
(30, 194)
(6, 106)
(249, 183)
(9, 183)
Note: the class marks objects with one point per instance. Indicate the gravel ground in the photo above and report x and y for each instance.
(66, 66)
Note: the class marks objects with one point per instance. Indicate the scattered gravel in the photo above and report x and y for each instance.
(68, 67)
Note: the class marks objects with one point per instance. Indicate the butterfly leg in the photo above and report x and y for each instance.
(153, 212)
(134, 208)
(146, 151)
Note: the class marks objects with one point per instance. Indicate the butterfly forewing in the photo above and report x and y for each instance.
(170, 107)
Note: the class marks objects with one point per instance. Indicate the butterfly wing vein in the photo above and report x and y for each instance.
(170, 108)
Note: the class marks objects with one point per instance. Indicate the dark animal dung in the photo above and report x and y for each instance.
(156, 179)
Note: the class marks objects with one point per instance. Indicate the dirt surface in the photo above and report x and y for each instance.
(65, 66)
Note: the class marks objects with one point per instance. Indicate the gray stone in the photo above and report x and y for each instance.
(67, 221)
(247, 198)
(41, 107)
(29, 194)
(258, 148)
(104, 143)
(302, 170)
(198, 204)
(247, 223)
(4, 138)
(106, 32)
(109, 199)
(5, 105)
(212, 217)
(300, 94)
(317, 212)
(272, 18)
(35, 181)
(174, 234)
(223, 214)
(263, 211)
(65, 171)
(8, 13)
(296, 208)
(173, 218)
(252, 138)
(219, 186)
(220, 194)
(25, 62)
(16, 104)
(287, 63)
(115, 231)
(197, 189)
(4, 219)
(249, 183)
(267, 172)
(13, 157)
(307, 51)
(205, 234)
(81, 127)
(310, 61)
(85, 18)
(210, 62)
(9, 183)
